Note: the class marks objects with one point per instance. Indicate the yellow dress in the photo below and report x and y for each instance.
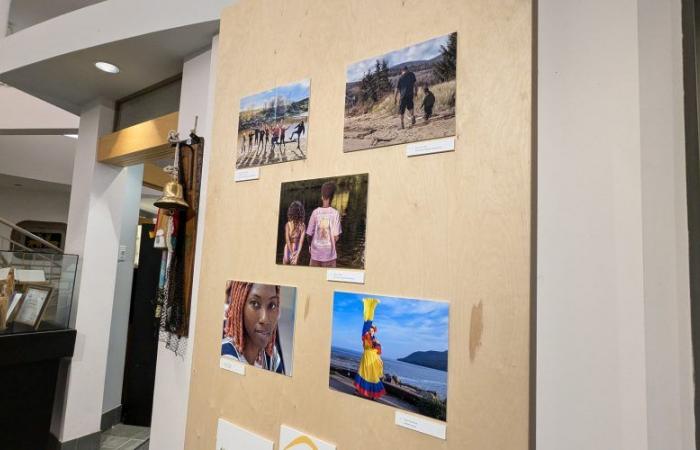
(368, 381)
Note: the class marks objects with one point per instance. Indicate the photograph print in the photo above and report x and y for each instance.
(322, 222)
(391, 350)
(258, 325)
(407, 95)
(273, 126)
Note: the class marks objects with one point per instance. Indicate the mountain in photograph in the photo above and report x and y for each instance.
(375, 115)
(432, 359)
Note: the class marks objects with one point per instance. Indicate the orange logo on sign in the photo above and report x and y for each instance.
(302, 440)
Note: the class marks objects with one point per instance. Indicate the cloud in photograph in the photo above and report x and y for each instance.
(404, 325)
(419, 52)
(290, 93)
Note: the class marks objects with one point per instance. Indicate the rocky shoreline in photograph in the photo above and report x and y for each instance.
(398, 394)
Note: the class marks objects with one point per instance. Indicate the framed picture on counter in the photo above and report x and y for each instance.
(32, 305)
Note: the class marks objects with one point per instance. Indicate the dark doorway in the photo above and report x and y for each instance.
(142, 341)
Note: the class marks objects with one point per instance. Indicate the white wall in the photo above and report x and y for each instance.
(116, 354)
(19, 204)
(613, 341)
(103, 198)
(665, 228)
(172, 384)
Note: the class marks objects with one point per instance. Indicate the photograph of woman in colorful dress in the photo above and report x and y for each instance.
(408, 368)
(368, 381)
(258, 325)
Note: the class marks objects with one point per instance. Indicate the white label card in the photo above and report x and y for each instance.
(232, 437)
(428, 147)
(421, 425)
(232, 365)
(251, 173)
(346, 276)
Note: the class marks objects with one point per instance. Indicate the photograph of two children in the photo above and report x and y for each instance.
(322, 222)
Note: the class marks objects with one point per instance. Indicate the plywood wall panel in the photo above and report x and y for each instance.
(452, 226)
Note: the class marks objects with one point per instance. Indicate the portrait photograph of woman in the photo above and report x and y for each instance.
(258, 325)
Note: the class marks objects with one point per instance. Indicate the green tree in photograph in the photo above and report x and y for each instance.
(368, 87)
(382, 74)
(446, 68)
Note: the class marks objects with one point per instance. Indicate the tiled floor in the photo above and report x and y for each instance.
(125, 437)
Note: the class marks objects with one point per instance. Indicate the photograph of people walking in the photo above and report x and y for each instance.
(322, 222)
(407, 95)
(273, 126)
(392, 351)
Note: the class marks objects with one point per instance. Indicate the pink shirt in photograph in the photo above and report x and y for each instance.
(324, 226)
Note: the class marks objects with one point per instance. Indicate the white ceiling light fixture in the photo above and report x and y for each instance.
(72, 136)
(107, 67)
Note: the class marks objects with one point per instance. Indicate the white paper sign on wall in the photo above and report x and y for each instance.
(231, 437)
(291, 439)
(421, 425)
(430, 147)
(252, 173)
(232, 365)
(346, 276)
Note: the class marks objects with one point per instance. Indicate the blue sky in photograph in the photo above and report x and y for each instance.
(404, 325)
(425, 50)
(291, 92)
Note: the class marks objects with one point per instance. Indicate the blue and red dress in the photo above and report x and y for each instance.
(368, 381)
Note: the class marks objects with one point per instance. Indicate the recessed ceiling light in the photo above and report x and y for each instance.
(107, 67)
(72, 136)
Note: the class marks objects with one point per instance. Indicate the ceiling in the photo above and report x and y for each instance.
(25, 13)
(71, 81)
(46, 158)
(9, 182)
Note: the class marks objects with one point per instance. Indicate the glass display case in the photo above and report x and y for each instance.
(36, 291)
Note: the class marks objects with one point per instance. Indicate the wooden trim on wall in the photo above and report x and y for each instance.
(139, 143)
(154, 177)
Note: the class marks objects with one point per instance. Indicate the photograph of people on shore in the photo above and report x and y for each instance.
(259, 325)
(322, 222)
(273, 126)
(407, 95)
(391, 350)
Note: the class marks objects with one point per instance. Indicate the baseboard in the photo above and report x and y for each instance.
(89, 442)
(111, 418)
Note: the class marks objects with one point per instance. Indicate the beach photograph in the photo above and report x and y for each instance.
(273, 126)
(258, 325)
(322, 222)
(407, 95)
(391, 350)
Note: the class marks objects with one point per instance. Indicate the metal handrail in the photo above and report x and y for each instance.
(28, 250)
(29, 234)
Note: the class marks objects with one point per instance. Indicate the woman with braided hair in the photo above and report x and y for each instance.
(250, 328)
(294, 233)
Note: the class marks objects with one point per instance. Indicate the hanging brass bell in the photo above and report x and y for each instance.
(172, 198)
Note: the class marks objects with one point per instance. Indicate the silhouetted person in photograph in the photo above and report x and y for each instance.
(428, 102)
(406, 88)
(298, 130)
